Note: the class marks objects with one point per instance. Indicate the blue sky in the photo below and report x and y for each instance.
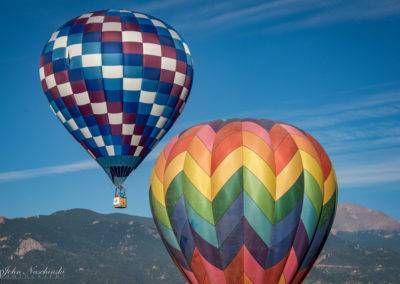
(329, 67)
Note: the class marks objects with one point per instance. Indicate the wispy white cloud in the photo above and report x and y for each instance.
(264, 11)
(370, 106)
(53, 170)
(369, 87)
(349, 115)
(368, 174)
(224, 15)
(350, 104)
(278, 15)
(375, 156)
(66, 168)
(359, 146)
(343, 134)
(343, 11)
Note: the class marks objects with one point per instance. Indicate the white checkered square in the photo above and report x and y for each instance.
(95, 19)
(182, 107)
(110, 150)
(184, 94)
(132, 36)
(127, 129)
(61, 117)
(74, 50)
(168, 63)
(135, 139)
(72, 123)
(161, 122)
(138, 150)
(50, 81)
(115, 118)
(99, 108)
(65, 89)
(157, 110)
(152, 49)
(112, 72)
(179, 79)
(86, 132)
(132, 84)
(91, 60)
(87, 15)
(112, 27)
(138, 15)
(174, 34)
(41, 73)
(157, 23)
(54, 36)
(52, 109)
(147, 97)
(60, 42)
(99, 141)
(186, 48)
(82, 98)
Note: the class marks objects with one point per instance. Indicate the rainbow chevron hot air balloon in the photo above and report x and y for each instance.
(243, 201)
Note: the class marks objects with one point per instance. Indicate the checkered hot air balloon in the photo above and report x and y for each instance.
(117, 80)
(243, 201)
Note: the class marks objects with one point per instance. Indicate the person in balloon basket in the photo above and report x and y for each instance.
(119, 198)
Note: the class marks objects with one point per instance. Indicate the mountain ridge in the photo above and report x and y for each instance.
(119, 248)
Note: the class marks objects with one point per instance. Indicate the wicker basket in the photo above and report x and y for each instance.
(119, 202)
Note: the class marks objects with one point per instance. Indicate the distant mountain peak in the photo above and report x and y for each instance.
(354, 218)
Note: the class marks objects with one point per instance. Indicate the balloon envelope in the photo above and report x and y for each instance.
(243, 201)
(117, 80)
